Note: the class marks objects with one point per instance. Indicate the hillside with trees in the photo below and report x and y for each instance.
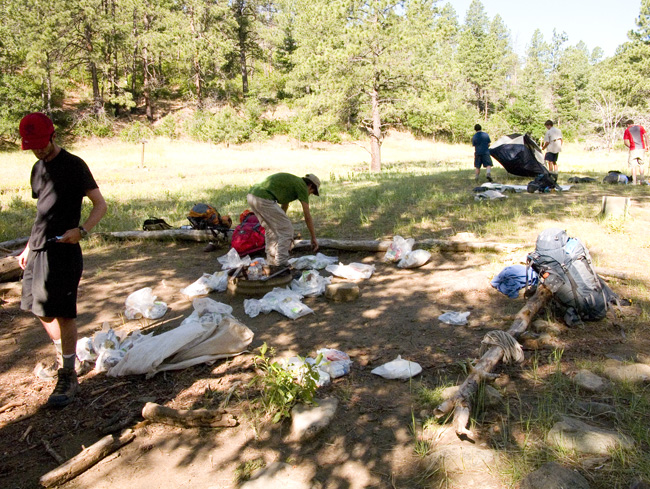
(316, 70)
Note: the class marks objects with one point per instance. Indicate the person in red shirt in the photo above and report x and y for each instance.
(636, 139)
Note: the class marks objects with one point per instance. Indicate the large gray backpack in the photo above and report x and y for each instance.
(564, 266)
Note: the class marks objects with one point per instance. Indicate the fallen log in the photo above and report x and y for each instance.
(377, 246)
(15, 243)
(86, 459)
(188, 418)
(10, 269)
(199, 235)
(608, 272)
(461, 401)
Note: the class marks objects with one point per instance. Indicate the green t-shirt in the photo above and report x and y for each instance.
(283, 188)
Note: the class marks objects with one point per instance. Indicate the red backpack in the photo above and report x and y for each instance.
(248, 236)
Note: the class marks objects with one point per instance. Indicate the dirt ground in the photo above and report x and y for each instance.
(370, 443)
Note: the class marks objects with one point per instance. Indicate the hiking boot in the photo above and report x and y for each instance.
(49, 372)
(488, 178)
(210, 247)
(67, 386)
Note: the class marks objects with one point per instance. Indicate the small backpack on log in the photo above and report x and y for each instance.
(204, 216)
(155, 224)
(564, 266)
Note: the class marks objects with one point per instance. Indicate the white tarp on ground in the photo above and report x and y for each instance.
(208, 334)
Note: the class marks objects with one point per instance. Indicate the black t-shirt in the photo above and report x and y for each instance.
(59, 185)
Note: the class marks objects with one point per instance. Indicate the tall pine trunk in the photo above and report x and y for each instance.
(375, 134)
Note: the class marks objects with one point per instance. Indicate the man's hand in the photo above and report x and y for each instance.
(22, 258)
(314, 245)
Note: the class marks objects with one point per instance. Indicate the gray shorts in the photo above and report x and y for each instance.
(51, 280)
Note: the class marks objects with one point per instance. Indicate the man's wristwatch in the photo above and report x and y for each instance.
(83, 232)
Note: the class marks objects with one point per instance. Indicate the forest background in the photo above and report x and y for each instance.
(231, 71)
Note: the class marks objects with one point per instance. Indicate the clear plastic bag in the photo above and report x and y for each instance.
(310, 284)
(454, 318)
(312, 262)
(335, 362)
(353, 271)
(414, 259)
(207, 283)
(255, 270)
(142, 303)
(284, 301)
(398, 248)
(398, 369)
(232, 260)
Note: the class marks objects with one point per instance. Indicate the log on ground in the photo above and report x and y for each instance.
(188, 418)
(9, 269)
(86, 459)
(461, 402)
(378, 246)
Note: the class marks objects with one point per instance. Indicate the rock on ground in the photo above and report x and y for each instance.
(573, 434)
(590, 381)
(635, 373)
(308, 421)
(554, 476)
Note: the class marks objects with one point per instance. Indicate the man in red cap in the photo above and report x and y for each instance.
(52, 259)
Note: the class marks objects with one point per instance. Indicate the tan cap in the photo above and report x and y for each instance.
(315, 180)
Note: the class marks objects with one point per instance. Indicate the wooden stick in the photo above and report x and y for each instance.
(86, 458)
(113, 401)
(10, 405)
(200, 235)
(101, 390)
(460, 403)
(9, 269)
(15, 242)
(608, 272)
(59, 459)
(26, 433)
(188, 418)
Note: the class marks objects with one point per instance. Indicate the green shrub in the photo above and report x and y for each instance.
(226, 126)
(93, 125)
(136, 132)
(281, 389)
(167, 127)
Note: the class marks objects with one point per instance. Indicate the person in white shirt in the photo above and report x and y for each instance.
(552, 145)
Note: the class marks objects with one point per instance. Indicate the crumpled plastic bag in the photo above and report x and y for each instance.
(335, 362)
(284, 301)
(142, 303)
(353, 271)
(108, 348)
(255, 270)
(398, 248)
(312, 262)
(232, 260)
(397, 369)
(414, 259)
(209, 333)
(85, 350)
(207, 283)
(310, 284)
(454, 318)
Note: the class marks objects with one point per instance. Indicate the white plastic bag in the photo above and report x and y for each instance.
(414, 259)
(454, 318)
(232, 260)
(312, 262)
(335, 362)
(398, 369)
(85, 350)
(255, 270)
(142, 303)
(310, 284)
(284, 301)
(353, 271)
(398, 248)
(205, 284)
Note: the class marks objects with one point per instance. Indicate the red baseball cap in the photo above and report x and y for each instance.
(36, 130)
